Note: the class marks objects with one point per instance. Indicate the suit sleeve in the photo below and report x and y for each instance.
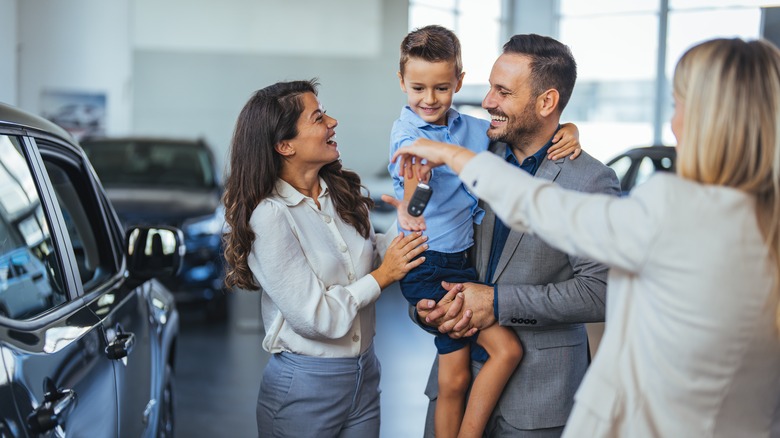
(581, 298)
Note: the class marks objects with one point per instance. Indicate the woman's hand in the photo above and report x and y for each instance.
(405, 220)
(566, 141)
(400, 258)
(435, 154)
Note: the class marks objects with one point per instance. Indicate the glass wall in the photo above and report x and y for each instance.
(626, 52)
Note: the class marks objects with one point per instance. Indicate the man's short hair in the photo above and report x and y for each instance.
(552, 64)
(433, 44)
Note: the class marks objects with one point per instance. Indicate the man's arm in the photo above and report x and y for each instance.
(579, 299)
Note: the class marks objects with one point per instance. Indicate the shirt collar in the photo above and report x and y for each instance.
(539, 155)
(293, 197)
(410, 116)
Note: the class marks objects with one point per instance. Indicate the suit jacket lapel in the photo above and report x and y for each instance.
(548, 170)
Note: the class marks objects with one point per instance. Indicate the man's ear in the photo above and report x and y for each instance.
(284, 148)
(401, 81)
(460, 81)
(547, 102)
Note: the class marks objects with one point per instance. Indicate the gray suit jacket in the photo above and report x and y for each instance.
(546, 296)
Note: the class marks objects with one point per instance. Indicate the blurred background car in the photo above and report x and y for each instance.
(173, 182)
(87, 335)
(634, 166)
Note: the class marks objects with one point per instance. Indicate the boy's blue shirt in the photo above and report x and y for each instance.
(452, 211)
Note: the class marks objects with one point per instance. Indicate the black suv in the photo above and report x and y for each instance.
(170, 181)
(87, 337)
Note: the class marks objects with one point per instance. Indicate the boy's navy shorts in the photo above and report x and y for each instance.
(424, 282)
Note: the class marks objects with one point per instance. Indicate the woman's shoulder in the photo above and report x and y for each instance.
(680, 194)
(270, 208)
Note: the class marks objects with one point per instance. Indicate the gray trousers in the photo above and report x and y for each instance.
(303, 396)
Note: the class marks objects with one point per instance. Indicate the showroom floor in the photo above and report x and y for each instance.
(220, 365)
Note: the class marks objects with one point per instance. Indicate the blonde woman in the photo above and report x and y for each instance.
(691, 347)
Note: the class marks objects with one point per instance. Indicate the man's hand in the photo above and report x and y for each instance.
(465, 309)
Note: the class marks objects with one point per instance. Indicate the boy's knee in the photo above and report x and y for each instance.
(511, 353)
(455, 384)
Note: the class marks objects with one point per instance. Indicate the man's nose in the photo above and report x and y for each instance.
(488, 102)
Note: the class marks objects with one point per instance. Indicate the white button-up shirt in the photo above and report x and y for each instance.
(314, 270)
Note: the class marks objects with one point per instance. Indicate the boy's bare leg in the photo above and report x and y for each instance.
(505, 353)
(454, 380)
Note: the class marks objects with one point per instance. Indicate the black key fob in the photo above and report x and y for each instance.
(419, 199)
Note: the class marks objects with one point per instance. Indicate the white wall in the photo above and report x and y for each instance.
(316, 28)
(80, 46)
(8, 45)
(192, 76)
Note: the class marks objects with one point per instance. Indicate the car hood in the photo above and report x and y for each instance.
(162, 206)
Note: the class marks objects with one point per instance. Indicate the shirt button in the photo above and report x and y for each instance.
(355, 338)
(326, 219)
(343, 248)
(351, 276)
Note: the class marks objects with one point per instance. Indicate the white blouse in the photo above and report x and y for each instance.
(690, 348)
(314, 271)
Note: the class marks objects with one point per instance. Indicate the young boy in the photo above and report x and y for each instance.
(430, 74)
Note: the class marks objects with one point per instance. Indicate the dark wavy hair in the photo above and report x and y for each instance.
(268, 118)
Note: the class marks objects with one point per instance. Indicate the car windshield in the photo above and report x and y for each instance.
(150, 163)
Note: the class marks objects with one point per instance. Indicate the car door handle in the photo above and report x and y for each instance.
(121, 346)
(57, 405)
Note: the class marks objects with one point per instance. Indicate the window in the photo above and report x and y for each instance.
(83, 219)
(30, 278)
(623, 95)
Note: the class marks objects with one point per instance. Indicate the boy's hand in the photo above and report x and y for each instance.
(565, 142)
(422, 172)
(405, 220)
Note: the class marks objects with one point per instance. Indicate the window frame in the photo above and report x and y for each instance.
(108, 236)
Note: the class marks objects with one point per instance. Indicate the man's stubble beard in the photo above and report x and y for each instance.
(520, 130)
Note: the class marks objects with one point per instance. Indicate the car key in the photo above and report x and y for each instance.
(419, 199)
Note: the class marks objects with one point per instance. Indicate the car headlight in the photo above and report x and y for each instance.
(206, 225)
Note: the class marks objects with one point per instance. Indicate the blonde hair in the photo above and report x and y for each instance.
(730, 91)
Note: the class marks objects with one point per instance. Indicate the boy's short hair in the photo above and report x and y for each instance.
(431, 43)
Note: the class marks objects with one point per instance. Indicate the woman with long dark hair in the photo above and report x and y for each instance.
(300, 233)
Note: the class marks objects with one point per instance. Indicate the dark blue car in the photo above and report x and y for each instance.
(174, 182)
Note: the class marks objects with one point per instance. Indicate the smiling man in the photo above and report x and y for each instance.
(545, 295)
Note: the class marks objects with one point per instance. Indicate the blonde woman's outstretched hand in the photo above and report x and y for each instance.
(400, 258)
(434, 153)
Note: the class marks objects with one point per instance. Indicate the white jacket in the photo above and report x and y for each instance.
(690, 348)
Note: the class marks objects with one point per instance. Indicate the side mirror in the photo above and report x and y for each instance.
(154, 251)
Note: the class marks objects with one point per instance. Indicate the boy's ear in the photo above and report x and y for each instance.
(547, 102)
(284, 148)
(460, 81)
(401, 81)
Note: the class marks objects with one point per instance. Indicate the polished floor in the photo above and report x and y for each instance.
(219, 367)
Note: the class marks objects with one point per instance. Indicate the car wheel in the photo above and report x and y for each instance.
(165, 428)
